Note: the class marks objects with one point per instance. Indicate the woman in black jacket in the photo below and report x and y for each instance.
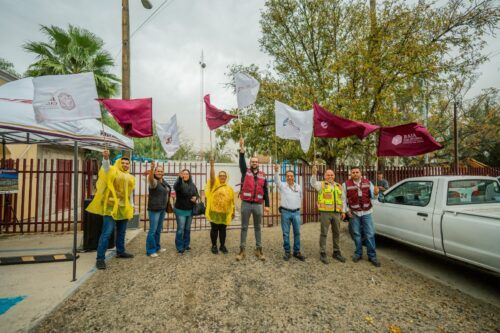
(186, 194)
(159, 196)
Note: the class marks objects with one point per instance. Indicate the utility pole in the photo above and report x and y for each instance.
(455, 137)
(125, 51)
(126, 46)
(202, 70)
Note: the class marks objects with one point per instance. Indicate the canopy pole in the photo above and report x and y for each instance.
(3, 151)
(75, 207)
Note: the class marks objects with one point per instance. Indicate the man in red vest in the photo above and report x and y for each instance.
(357, 195)
(252, 194)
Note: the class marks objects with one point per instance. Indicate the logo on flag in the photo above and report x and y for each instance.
(324, 124)
(397, 140)
(247, 88)
(293, 124)
(61, 98)
(66, 101)
(406, 140)
(169, 136)
(289, 122)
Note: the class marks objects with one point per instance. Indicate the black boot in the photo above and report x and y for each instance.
(100, 264)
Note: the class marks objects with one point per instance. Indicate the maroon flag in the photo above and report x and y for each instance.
(328, 125)
(406, 140)
(135, 116)
(215, 117)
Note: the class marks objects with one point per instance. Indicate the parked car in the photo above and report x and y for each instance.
(455, 216)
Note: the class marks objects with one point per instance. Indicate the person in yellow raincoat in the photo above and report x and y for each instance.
(114, 201)
(220, 207)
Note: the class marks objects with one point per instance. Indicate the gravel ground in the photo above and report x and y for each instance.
(202, 292)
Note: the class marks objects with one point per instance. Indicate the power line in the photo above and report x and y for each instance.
(148, 19)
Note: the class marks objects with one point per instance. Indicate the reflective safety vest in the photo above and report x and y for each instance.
(358, 203)
(251, 190)
(330, 198)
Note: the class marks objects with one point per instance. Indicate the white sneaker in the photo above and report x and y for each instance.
(161, 250)
(154, 255)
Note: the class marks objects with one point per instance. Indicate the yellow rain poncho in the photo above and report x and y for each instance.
(220, 202)
(113, 190)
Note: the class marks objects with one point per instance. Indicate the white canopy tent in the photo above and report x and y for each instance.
(18, 126)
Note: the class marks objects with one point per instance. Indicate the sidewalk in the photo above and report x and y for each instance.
(44, 286)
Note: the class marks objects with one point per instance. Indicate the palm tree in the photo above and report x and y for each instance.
(73, 51)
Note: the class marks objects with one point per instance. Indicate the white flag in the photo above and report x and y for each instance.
(61, 98)
(169, 136)
(247, 89)
(294, 124)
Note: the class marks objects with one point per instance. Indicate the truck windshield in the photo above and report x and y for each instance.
(473, 191)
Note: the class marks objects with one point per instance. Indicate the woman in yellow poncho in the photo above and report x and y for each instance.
(220, 207)
(114, 201)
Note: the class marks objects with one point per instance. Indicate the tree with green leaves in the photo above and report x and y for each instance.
(73, 51)
(8, 67)
(367, 61)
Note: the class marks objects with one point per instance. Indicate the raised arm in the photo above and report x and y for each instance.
(314, 182)
(105, 160)
(243, 163)
(277, 180)
(151, 176)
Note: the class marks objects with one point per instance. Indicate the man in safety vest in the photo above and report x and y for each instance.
(252, 194)
(330, 211)
(358, 193)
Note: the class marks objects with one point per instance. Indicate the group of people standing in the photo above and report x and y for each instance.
(352, 199)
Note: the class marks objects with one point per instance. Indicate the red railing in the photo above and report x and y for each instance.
(44, 201)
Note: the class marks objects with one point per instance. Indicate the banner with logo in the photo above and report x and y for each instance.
(406, 140)
(293, 124)
(247, 88)
(328, 125)
(169, 136)
(61, 98)
(135, 116)
(215, 117)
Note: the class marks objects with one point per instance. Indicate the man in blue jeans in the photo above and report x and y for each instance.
(291, 198)
(114, 201)
(356, 196)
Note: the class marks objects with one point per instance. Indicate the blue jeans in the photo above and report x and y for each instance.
(292, 218)
(155, 226)
(363, 224)
(108, 224)
(183, 233)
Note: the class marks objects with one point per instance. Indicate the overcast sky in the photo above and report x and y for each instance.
(165, 53)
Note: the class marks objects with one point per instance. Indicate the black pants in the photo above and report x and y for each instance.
(220, 230)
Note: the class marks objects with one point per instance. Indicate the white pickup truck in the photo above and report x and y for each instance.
(456, 216)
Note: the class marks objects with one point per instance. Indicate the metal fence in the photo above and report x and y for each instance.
(43, 202)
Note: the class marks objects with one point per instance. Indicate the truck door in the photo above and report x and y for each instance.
(471, 222)
(408, 211)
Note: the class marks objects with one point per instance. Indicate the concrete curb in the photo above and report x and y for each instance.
(78, 283)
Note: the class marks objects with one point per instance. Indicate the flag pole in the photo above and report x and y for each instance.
(211, 145)
(104, 134)
(152, 142)
(239, 121)
(276, 147)
(314, 150)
